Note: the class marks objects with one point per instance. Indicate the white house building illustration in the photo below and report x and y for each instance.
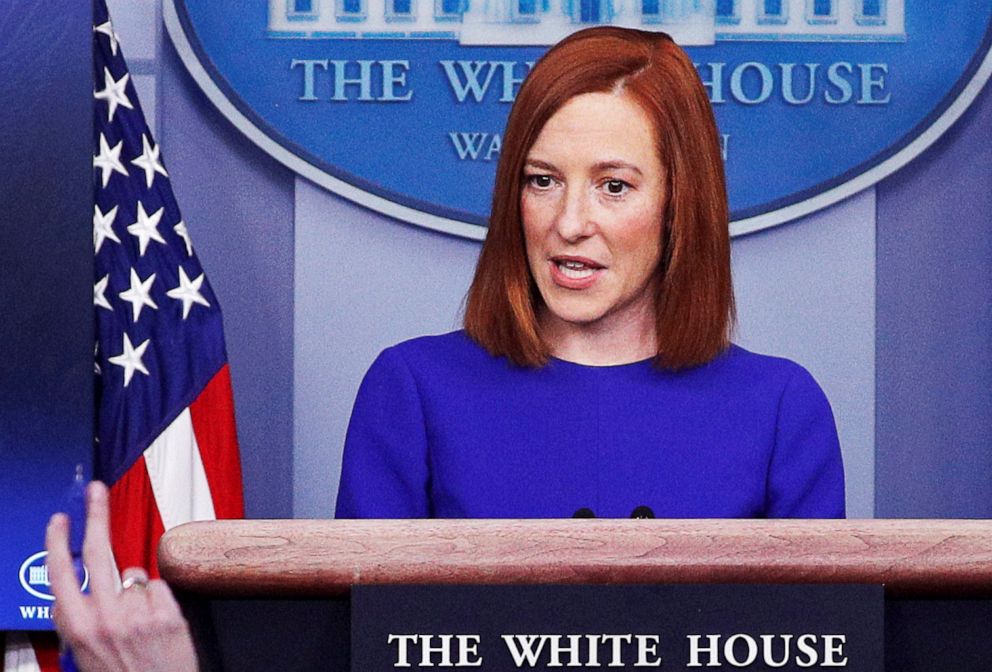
(811, 20)
(544, 22)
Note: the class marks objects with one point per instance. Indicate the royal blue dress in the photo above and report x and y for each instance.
(442, 429)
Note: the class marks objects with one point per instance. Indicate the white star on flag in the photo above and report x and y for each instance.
(146, 228)
(99, 289)
(109, 160)
(149, 161)
(139, 294)
(107, 28)
(188, 292)
(114, 93)
(103, 228)
(181, 231)
(130, 359)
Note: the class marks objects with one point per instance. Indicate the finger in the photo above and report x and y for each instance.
(134, 595)
(96, 547)
(166, 611)
(161, 599)
(61, 572)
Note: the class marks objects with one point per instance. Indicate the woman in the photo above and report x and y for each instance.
(595, 374)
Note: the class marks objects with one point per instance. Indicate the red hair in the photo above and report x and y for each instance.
(695, 302)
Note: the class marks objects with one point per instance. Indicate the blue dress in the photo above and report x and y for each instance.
(440, 428)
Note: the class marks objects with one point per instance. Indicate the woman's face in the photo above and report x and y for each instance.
(592, 203)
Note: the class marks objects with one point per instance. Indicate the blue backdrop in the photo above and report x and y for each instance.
(46, 297)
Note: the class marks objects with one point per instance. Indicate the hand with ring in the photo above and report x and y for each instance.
(127, 627)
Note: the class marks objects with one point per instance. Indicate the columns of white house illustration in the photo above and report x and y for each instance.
(811, 20)
(544, 22)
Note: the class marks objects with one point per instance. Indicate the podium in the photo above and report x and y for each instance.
(273, 594)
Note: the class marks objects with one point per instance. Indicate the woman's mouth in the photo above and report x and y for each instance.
(574, 272)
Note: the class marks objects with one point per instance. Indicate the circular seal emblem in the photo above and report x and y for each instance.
(399, 105)
(34, 577)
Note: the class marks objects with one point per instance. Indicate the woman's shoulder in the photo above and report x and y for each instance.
(793, 381)
(436, 347)
(435, 344)
(742, 358)
(452, 351)
(756, 369)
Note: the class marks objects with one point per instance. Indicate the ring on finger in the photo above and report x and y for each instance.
(135, 578)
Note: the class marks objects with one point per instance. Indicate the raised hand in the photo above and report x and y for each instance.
(131, 626)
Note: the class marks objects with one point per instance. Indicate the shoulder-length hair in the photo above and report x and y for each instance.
(695, 302)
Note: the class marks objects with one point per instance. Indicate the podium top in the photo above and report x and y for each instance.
(321, 558)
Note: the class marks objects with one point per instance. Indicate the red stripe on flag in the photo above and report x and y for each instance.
(135, 522)
(213, 424)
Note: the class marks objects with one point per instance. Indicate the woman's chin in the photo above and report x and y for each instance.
(575, 316)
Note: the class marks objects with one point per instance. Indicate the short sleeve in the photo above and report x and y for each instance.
(384, 472)
(806, 473)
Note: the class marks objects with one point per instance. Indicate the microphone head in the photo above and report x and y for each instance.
(642, 512)
(584, 512)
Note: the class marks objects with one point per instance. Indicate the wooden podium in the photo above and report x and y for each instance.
(273, 594)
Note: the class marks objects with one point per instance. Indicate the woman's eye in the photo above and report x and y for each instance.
(616, 187)
(541, 181)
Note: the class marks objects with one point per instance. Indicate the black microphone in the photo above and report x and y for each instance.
(642, 512)
(584, 512)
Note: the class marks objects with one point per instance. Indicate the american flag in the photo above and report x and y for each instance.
(166, 442)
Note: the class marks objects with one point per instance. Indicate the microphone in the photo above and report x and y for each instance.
(584, 512)
(642, 512)
(76, 509)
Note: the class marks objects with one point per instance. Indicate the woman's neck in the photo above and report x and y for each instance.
(609, 341)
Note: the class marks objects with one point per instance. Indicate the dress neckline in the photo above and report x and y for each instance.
(602, 367)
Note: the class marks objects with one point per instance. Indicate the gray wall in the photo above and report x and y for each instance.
(934, 439)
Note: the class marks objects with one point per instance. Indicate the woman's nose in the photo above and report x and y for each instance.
(575, 218)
